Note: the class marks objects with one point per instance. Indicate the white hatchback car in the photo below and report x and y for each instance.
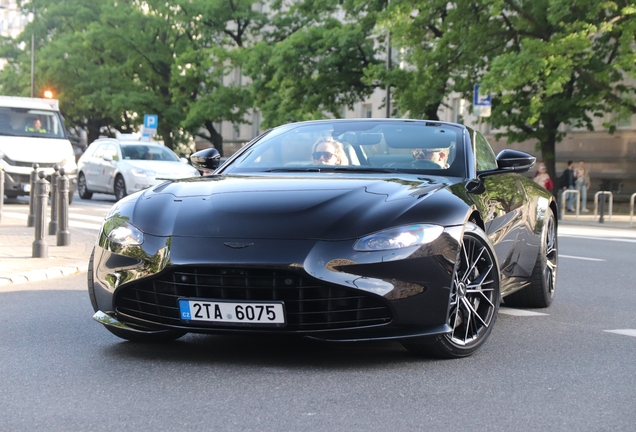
(123, 166)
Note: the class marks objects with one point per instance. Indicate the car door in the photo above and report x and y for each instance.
(93, 167)
(109, 165)
(504, 207)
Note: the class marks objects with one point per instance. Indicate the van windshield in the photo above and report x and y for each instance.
(30, 122)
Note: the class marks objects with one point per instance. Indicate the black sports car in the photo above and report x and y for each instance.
(339, 230)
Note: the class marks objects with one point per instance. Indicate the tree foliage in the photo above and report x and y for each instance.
(549, 63)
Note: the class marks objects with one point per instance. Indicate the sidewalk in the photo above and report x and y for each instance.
(16, 248)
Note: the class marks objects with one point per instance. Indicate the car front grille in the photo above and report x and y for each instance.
(309, 306)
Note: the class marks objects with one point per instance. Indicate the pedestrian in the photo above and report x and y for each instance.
(542, 178)
(582, 184)
(566, 182)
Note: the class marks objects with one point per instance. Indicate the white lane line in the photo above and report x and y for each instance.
(519, 312)
(86, 217)
(581, 258)
(623, 240)
(624, 332)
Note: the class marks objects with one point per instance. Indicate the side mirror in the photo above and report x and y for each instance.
(515, 160)
(510, 161)
(208, 159)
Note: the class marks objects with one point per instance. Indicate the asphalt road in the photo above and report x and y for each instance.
(571, 367)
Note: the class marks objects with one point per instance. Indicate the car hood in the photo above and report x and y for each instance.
(259, 207)
(40, 150)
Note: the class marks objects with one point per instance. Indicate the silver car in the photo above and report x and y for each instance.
(121, 167)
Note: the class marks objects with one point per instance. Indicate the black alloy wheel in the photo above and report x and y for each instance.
(82, 188)
(120, 187)
(474, 301)
(540, 292)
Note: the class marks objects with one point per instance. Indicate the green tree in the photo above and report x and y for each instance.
(564, 62)
(310, 63)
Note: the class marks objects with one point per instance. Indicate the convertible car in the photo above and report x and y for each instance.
(338, 230)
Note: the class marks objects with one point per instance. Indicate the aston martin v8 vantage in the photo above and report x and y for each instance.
(339, 230)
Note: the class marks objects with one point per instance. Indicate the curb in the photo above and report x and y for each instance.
(40, 275)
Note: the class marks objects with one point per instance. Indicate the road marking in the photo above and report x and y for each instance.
(519, 312)
(581, 258)
(623, 240)
(624, 332)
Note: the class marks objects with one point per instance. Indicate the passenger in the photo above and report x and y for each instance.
(436, 155)
(328, 151)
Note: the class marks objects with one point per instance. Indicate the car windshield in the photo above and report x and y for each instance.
(363, 146)
(148, 152)
(31, 123)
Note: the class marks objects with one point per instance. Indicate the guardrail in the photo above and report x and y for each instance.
(563, 201)
(631, 210)
(611, 202)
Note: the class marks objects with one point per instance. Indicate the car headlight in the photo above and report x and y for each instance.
(142, 173)
(399, 237)
(122, 232)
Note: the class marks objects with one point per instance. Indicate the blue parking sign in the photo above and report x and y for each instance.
(151, 121)
(480, 99)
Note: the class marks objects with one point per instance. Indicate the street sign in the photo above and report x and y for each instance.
(481, 103)
(480, 99)
(150, 123)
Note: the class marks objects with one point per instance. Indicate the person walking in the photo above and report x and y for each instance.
(566, 182)
(543, 178)
(582, 184)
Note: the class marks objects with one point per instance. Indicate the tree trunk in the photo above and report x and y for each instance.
(548, 153)
(215, 138)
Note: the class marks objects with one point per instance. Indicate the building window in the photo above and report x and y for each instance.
(367, 110)
(459, 108)
(256, 123)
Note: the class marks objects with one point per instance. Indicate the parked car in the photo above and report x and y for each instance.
(339, 230)
(123, 166)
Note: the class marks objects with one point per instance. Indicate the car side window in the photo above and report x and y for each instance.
(484, 155)
(99, 151)
(111, 151)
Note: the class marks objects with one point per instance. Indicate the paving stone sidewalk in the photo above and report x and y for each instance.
(16, 250)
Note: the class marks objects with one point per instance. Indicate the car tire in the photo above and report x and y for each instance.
(120, 187)
(82, 188)
(540, 292)
(162, 336)
(474, 301)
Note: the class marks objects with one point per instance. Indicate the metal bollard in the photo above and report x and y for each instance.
(40, 248)
(1, 191)
(601, 209)
(34, 178)
(63, 233)
(54, 201)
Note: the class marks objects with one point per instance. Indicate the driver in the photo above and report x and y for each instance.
(436, 155)
(328, 151)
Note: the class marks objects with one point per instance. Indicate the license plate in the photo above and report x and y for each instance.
(26, 187)
(228, 312)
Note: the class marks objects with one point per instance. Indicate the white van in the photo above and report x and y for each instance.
(32, 131)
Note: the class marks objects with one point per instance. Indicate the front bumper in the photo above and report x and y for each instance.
(19, 183)
(389, 295)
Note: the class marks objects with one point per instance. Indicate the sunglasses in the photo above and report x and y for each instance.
(420, 152)
(326, 155)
